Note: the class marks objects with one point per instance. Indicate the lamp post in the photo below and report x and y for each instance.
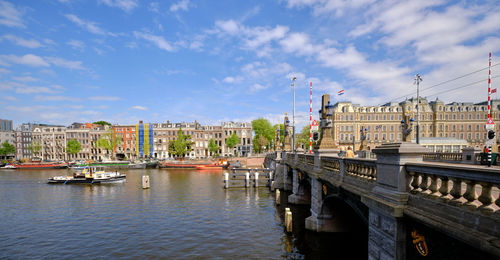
(293, 116)
(417, 82)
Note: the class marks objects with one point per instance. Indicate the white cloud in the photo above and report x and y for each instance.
(104, 98)
(159, 41)
(10, 98)
(256, 87)
(22, 42)
(232, 79)
(60, 62)
(89, 26)
(298, 43)
(230, 26)
(140, 108)
(25, 79)
(75, 44)
(154, 7)
(54, 98)
(10, 16)
(181, 5)
(34, 90)
(28, 59)
(337, 7)
(125, 5)
(4, 71)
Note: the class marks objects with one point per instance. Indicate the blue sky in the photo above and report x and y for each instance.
(184, 60)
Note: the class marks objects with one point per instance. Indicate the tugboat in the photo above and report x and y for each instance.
(89, 175)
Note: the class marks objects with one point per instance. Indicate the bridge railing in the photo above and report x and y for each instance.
(440, 157)
(473, 187)
(362, 168)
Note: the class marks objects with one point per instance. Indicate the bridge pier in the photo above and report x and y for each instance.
(287, 178)
(278, 175)
(301, 189)
(388, 199)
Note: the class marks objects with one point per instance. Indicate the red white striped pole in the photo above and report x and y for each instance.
(488, 147)
(489, 88)
(310, 117)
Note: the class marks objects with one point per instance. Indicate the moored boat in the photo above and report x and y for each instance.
(90, 175)
(41, 165)
(181, 165)
(209, 167)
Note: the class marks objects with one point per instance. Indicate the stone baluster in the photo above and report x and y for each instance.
(470, 194)
(444, 190)
(414, 185)
(456, 191)
(433, 188)
(486, 198)
(410, 181)
(423, 183)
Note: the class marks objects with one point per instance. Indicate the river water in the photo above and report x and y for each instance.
(184, 215)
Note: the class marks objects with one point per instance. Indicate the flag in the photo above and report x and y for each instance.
(494, 91)
(340, 93)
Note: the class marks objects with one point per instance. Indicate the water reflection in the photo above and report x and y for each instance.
(183, 215)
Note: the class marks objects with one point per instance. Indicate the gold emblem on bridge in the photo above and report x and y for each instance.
(325, 190)
(419, 242)
(300, 176)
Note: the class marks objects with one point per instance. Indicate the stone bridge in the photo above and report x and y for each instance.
(388, 195)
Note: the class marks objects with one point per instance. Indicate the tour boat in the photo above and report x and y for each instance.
(41, 165)
(9, 167)
(89, 175)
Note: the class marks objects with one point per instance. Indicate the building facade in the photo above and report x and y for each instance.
(23, 141)
(464, 121)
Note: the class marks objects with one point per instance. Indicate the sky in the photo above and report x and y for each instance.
(64, 61)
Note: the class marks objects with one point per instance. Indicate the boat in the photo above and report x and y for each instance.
(209, 167)
(182, 165)
(8, 167)
(41, 165)
(89, 175)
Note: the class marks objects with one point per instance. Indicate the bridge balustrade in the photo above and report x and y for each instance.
(362, 168)
(447, 183)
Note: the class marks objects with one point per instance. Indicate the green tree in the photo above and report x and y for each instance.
(232, 141)
(181, 145)
(213, 147)
(35, 147)
(73, 147)
(302, 139)
(263, 128)
(109, 141)
(7, 149)
(259, 141)
(103, 123)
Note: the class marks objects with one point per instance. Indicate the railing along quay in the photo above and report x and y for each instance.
(247, 177)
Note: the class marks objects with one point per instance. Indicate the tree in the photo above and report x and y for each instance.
(263, 128)
(259, 141)
(109, 141)
(103, 123)
(35, 147)
(232, 141)
(303, 137)
(181, 145)
(212, 146)
(7, 149)
(73, 147)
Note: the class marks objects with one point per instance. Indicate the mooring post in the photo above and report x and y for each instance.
(288, 220)
(145, 181)
(272, 186)
(278, 197)
(226, 180)
(247, 179)
(256, 173)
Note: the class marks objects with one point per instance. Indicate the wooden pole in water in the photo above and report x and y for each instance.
(145, 181)
(226, 180)
(288, 220)
(256, 179)
(247, 179)
(278, 197)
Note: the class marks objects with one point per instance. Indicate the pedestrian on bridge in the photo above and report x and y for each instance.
(349, 153)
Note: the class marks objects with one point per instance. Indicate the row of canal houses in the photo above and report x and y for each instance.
(142, 140)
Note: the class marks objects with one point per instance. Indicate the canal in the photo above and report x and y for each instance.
(184, 215)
